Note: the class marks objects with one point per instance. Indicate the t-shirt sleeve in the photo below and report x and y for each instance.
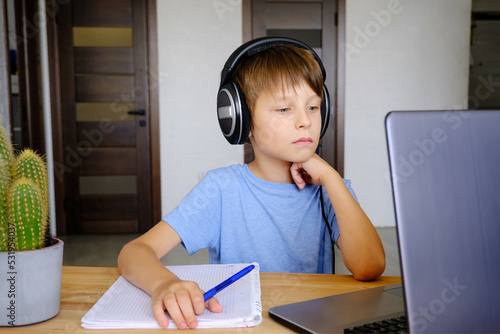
(197, 217)
(332, 218)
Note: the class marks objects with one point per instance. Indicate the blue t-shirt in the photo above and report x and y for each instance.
(242, 218)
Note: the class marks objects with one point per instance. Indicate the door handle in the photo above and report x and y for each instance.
(140, 112)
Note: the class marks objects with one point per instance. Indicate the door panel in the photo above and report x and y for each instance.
(99, 13)
(109, 191)
(117, 60)
(299, 15)
(104, 207)
(108, 184)
(105, 37)
(121, 134)
(115, 111)
(116, 161)
(104, 88)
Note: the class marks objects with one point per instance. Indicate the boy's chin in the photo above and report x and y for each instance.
(303, 158)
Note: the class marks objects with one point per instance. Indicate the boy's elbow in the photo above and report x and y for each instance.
(371, 270)
(123, 258)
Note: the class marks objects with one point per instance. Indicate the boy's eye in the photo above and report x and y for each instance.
(313, 108)
(283, 110)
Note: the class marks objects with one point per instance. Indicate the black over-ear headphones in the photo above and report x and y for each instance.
(232, 110)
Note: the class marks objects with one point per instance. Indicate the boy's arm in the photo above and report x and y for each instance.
(139, 263)
(362, 250)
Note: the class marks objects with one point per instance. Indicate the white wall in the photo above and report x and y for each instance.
(401, 55)
(195, 37)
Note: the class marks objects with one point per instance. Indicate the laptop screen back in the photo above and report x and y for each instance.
(445, 170)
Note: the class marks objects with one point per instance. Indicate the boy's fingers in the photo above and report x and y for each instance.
(159, 312)
(187, 308)
(197, 300)
(213, 305)
(297, 176)
(175, 313)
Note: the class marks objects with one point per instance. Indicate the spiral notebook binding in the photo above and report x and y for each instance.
(256, 317)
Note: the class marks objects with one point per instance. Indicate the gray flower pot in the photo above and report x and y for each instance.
(30, 285)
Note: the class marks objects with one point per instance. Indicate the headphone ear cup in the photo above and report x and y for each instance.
(233, 114)
(325, 111)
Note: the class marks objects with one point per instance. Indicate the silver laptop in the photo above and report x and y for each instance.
(445, 171)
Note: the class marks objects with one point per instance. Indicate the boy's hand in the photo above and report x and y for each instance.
(311, 171)
(183, 300)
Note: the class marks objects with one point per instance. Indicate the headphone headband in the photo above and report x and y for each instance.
(258, 45)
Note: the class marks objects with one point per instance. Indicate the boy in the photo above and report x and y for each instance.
(270, 210)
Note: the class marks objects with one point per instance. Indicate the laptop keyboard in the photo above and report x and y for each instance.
(393, 325)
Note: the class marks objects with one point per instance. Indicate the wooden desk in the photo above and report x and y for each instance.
(83, 286)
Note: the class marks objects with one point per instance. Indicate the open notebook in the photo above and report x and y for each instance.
(126, 306)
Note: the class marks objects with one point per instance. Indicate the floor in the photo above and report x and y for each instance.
(102, 251)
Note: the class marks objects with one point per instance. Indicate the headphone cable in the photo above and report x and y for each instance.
(328, 226)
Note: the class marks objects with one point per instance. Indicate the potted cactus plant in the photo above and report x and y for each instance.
(30, 259)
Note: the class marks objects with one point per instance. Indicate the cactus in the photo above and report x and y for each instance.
(6, 151)
(24, 202)
(30, 165)
(26, 213)
(4, 184)
(5, 171)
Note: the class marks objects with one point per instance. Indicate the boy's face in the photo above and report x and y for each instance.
(286, 125)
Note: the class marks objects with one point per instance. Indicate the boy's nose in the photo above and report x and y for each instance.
(303, 119)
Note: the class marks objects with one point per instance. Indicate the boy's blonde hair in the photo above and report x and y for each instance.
(276, 68)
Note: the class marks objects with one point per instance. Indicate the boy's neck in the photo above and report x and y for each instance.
(277, 172)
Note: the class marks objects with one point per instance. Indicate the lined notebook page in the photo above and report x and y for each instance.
(126, 306)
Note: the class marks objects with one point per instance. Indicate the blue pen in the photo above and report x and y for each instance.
(210, 293)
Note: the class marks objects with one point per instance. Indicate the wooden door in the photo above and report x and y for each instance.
(484, 70)
(312, 22)
(105, 116)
